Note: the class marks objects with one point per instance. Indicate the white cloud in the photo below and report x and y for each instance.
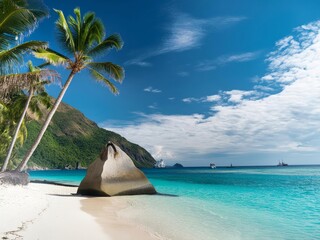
(160, 152)
(187, 32)
(138, 62)
(212, 98)
(263, 88)
(268, 77)
(153, 106)
(236, 96)
(184, 33)
(232, 97)
(209, 65)
(206, 66)
(286, 122)
(191, 99)
(223, 21)
(152, 90)
(243, 57)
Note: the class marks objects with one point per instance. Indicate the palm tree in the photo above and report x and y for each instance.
(83, 38)
(18, 18)
(37, 79)
(9, 115)
(4, 133)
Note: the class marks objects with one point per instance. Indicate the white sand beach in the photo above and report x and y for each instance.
(45, 211)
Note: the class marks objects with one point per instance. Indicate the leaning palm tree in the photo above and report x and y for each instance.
(4, 129)
(9, 115)
(17, 19)
(83, 38)
(36, 79)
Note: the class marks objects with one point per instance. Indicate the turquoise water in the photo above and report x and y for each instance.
(225, 203)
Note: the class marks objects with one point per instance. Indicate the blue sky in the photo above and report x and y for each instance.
(208, 81)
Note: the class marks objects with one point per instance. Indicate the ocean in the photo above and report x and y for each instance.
(223, 203)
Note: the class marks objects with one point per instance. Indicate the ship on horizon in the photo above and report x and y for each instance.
(282, 164)
(213, 166)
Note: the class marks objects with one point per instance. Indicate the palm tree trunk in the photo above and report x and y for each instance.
(6, 161)
(27, 157)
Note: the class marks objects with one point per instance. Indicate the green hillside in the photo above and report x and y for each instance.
(72, 138)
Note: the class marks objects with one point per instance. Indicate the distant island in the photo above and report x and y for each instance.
(161, 164)
(73, 141)
(177, 165)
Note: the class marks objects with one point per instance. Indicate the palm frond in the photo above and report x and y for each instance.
(87, 31)
(100, 78)
(15, 109)
(77, 12)
(38, 102)
(15, 82)
(34, 108)
(45, 99)
(17, 104)
(23, 133)
(75, 26)
(113, 70)
(64, 32)
(43, 65)
(93, 32)
(75, 29)
(51, 57)
(18, 17)
(31, 68)
(11, 58)
(38, 8)
(113, 41)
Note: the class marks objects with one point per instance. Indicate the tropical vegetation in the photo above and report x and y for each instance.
(36, 97)
(9, 115)
(18, 18)
(73, 140)
(84, 39)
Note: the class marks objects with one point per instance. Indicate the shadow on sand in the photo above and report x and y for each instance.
(78, 195)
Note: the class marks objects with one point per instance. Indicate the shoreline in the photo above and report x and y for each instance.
(53, 183)
(49, 211)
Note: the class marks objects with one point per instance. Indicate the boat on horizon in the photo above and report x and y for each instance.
(282, 164)
(213, 166)
(231, 166)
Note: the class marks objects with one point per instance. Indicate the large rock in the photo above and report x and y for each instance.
(14, 178)
(114, 173)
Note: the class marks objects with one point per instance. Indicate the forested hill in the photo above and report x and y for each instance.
(72, 138)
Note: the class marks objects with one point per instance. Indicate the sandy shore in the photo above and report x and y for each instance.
(44, 211)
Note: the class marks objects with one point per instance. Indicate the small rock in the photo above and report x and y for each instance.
(14, 178)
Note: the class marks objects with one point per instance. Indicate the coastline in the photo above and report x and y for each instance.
(47, 211)
(199, 204)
